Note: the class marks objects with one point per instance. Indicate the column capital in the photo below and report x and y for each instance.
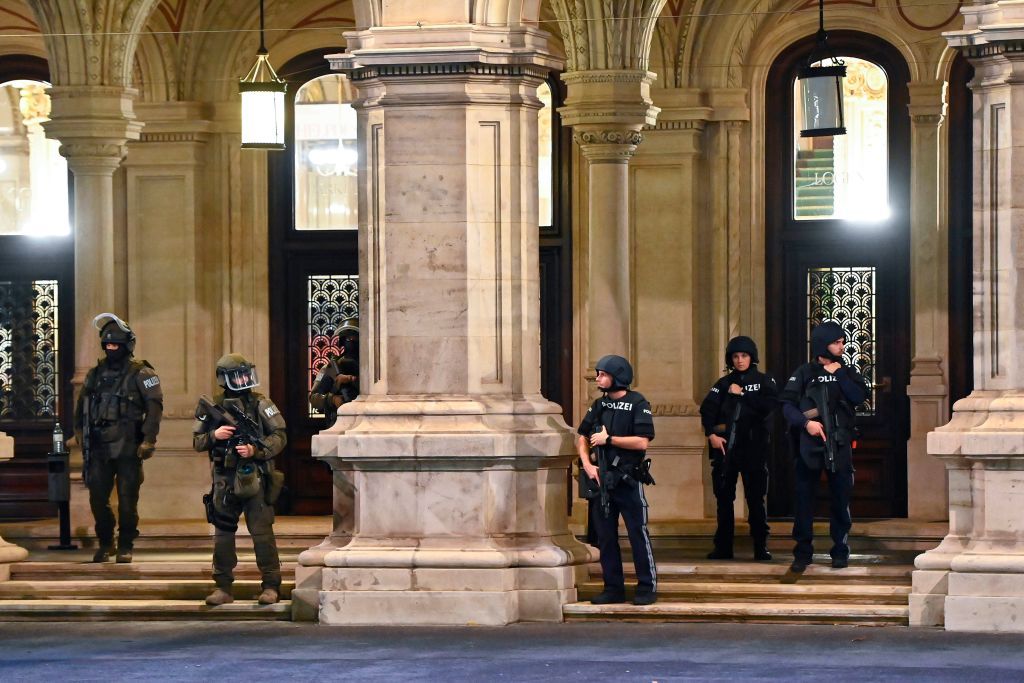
(607, 109)
(927, 102)
(93, 124)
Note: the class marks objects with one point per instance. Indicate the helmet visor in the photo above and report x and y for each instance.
(240, 379)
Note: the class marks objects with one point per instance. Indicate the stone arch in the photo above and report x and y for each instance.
(92, 44)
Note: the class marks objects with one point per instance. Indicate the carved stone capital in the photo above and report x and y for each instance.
(608, 146)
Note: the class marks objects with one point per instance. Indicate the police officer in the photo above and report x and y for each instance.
(844, 389)
(241, 478)
(737, 408)
(620, 423)
(337, 382)
(117, 418)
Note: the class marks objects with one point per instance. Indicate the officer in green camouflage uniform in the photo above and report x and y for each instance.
(228, 461)
(337, 382)
(124, 402)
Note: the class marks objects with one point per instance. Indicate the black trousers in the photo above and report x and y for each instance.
(126, 471)
(725, 472)
(627, 499)
(840, 484)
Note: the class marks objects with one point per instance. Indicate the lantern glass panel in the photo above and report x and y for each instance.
(263, 118)
(844, 177)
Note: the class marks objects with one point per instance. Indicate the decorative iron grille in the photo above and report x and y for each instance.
(29, 369)
(847, 296)
(331, 299)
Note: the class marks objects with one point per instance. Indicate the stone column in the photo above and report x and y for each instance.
(458, 463)
(93, 123)
(985, 582)
(607, 110)
(929, 283)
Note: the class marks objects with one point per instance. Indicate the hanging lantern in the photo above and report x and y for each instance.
(821, 87)
(262, 102)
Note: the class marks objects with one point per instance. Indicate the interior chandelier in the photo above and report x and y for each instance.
(821, 87)
(262, 102)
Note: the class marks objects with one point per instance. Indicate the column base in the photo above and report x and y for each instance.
(928, 597)
(985, 602)
(439, 596)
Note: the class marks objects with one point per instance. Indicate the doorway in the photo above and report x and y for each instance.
(838, 229)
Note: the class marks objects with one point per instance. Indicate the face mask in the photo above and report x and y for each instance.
(117, 354)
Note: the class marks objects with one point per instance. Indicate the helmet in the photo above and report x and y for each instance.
(348, 333)
(113, 330)
(234, 372)
(824, 334)
(740, 344)
(619, 368)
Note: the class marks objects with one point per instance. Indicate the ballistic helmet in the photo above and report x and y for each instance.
(824, 334)
(113, 330)
(740, 344)
(348, 333)
(234, 372)
(620, 370)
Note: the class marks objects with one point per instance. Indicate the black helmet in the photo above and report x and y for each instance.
(619, 369)
(234, 372)
(824, 334)
(740, 344)
(348, 334)
(113, 330)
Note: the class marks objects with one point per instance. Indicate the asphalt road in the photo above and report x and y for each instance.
(206, 651)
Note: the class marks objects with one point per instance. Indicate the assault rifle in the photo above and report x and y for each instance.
(730, 429)
(604, 477)
(247, 431)
(823, 412)
(328, 377)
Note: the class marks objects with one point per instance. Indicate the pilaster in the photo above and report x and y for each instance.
(929, 239)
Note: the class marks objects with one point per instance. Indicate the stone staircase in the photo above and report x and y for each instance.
(738, 591)
(155, 586)
(168, 579)
(814, 184)
(873, 590)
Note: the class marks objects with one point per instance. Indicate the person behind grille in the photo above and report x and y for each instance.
(337, 383)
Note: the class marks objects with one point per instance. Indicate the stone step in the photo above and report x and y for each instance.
(775, 572)
(714, 592)
(131, 589)
(140, 610)
(747, 612)
(183, 570)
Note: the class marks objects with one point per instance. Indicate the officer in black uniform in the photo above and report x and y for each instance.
(117, 418)
(242, 475)
(337, 382)
(737, 408)
(621, 423)
(845, 389)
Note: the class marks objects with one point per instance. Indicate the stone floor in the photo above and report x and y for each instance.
(527, 652)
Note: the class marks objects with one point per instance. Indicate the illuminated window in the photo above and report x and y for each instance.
(33, 174)
(544, 153)
(847, 176)
(330, 300)
(326, 155)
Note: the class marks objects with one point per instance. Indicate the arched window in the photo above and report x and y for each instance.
(545, 154)
(846, 177)
(33, 174)
(326, 155)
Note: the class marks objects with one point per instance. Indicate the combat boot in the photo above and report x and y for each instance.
(761, 553)
(124, 555)
(608, 597)
(268, 597)
(103, 553)
(720, 554)
(219, 596)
